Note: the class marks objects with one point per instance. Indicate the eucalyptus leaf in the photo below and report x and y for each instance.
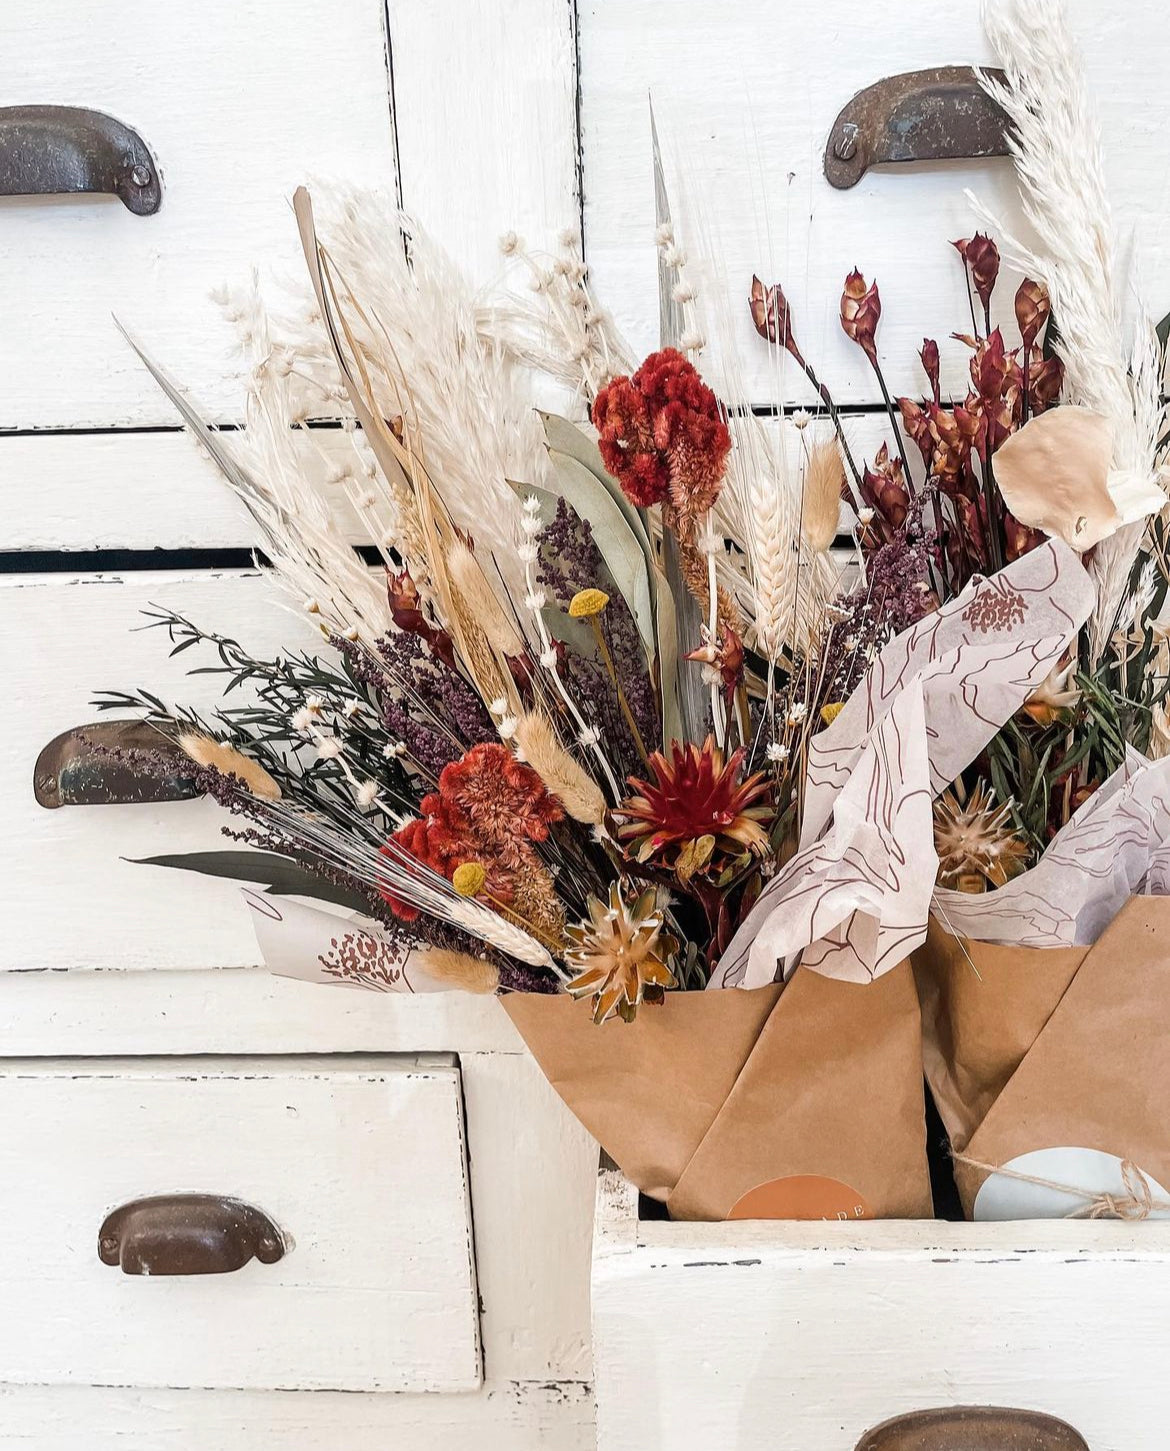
(281, 875)
(565, 437)
(615, 539)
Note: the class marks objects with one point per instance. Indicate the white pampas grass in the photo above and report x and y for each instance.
(1057, 151)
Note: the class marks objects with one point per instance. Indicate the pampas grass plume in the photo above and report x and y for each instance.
(577, 792)
(823, 481)
(225, 759)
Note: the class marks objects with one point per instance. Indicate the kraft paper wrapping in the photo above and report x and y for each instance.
(1097, 1078)
(983, 1006)
(714, 1095)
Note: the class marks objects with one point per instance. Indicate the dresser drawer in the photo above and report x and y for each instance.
(358, 1162)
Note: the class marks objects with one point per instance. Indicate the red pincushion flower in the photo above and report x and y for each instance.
(662, 431)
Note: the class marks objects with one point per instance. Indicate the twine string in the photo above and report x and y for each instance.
(1137, 1202)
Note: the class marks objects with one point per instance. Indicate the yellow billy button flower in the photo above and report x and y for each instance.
(831, 711)
(469, 879)
(587, 602)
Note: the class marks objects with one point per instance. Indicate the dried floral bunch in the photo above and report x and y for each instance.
(558, 732)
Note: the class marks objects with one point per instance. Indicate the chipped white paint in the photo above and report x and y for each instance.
(797, 1336)
(360, 1162)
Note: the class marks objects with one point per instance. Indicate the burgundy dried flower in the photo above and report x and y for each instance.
(1032, 309)
(930, 366)
(917, 426)
(771, 315)
(1045, 380)
(861, 308)
(982, 256)
(884, 489)
(406, 612)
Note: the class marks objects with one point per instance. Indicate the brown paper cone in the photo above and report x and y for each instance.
(801, 1103)
(1098, 1075)
(982, 1009)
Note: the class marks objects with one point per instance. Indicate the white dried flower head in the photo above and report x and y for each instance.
(577, 298)
(351, 632)
(548, 658)
(865, 516)
(312, 607)
(302, 719)
(851, 642)
(664, 234)
(582, 350)
(531, 504)
(499, 706)
(710, 675)
(563, 266)
(329, 748)
(567, 237)
(527, 553)
(314, 704)
(675, 257)
(530, 524)
(366, 794)
(367, 501)
(801, 418)
(683, 292)
(507, 727)
(393, 749)
(777, 752)
(540, 281)
(589, 737)
(710, 542)
(510, 244)
(536, 599)
(692, 342)
(351, 708)
(797, 712)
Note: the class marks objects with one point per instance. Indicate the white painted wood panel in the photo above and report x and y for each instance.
(130, 490)
(79, 903)
(745, 97)
(361, 1162)
(508, 1416)
(240, 100)
(797, 1336)
(485, 114)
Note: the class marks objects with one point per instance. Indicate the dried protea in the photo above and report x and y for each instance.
(697, 815)
(861, 309)
(975, 845)
(1032, 310)
(771, 316)
(621, 954)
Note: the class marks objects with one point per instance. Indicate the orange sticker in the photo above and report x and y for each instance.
(801, 1196)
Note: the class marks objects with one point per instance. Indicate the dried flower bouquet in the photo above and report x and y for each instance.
(678, 695)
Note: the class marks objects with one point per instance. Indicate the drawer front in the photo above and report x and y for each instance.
(359, 1162)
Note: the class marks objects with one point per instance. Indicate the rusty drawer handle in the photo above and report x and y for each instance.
(48, 150)
(973, 1428)
(917, 116)
(188, 1234)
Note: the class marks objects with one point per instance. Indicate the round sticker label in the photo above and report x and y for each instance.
(1072, 1180)
(801, 1196)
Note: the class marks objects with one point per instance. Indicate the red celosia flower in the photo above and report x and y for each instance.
(662, 431)
(499, 800)
(696, 797)
(861, 309)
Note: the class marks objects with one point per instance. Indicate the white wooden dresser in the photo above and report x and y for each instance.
(439, 1196)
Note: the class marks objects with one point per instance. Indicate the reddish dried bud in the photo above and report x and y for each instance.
(407, 613)
(772, 318)
(726, 657)
(982, 256)
(954, 434)
(861, 309)
(917, 425)
(929, 356)
(1032, 310)
(993, 371)
(884, 489)
(1045, 380)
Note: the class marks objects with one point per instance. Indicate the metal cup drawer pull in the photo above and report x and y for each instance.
(929, 115)
(973, 1428)
(48, 150)
(188, 1234)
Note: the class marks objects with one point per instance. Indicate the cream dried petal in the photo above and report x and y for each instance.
(1054, 475)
